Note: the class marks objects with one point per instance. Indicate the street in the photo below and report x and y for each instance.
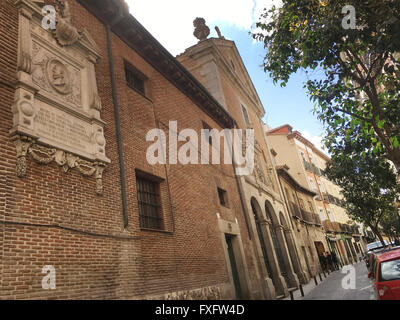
(331, 288)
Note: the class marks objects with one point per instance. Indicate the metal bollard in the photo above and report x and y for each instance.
(324, 274)
(315, 280)
(301, 290)
(320, 277)
(291, 295)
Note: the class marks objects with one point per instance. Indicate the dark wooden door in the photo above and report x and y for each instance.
(235, 273)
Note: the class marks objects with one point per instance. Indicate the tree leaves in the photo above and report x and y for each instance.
(358, 97)
(368, 183)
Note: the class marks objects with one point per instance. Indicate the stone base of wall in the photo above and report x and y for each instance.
(206, 293)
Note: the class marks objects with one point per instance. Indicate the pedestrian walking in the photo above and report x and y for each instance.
(335, 260)
(330, 262)
(322, 260)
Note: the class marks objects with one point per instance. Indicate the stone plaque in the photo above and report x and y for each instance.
(57, 106)
(69, 133)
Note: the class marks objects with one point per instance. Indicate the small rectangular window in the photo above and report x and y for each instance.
(148, 193)
(222, 197)
(134, 79)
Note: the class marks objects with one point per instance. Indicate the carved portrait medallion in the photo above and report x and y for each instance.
(58, 76)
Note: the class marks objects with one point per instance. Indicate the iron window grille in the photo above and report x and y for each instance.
(134, 80)
(148, 193)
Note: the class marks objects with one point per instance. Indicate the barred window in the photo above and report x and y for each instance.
(148, 193)
(134, 80)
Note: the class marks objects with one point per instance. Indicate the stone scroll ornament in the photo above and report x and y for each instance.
(56, 110)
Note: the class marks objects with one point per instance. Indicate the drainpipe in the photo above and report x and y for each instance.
(117, 117)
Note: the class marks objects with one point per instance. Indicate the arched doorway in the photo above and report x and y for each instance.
(276, 244)
(257, 218)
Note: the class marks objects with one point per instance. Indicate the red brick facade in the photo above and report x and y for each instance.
(54, 218)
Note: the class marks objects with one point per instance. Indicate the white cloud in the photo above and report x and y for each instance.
(171, 22)
(316, 140)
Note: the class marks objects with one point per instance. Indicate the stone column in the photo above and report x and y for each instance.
(292, 277)
(343, 252)
(278, 279)
(292, 248)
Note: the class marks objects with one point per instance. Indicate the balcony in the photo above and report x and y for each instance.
(316, 170)
(296, 211)
(336, 227)
(317, 219)
(328, 226)
(307, 217)
(344, 228)
(348, 229)
(325, 197)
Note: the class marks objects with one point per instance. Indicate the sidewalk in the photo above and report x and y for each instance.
(307, 288)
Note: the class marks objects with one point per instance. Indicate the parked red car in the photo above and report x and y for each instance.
(387, 275)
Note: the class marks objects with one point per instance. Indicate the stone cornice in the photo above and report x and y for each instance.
(127, 28)
(288, 177)
(263, 188)
(297, 135)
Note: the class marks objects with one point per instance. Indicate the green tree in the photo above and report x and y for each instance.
(369, 186)
(354, 76)
(390, 224)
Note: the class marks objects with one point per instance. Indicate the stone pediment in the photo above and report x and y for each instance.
(234, 62)
(57, 106)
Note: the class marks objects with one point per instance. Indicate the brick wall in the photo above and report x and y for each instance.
(54, 218)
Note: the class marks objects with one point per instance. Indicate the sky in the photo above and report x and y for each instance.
(171, 23)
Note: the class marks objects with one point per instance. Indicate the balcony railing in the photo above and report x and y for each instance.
(317, 219)
(296, 211)
(336, 227)
(307, 217)
(325, 197)
(328, 226)
(332, 199)
(316, 170)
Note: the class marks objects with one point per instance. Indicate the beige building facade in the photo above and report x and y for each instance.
(306, 164)
(305, 222)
